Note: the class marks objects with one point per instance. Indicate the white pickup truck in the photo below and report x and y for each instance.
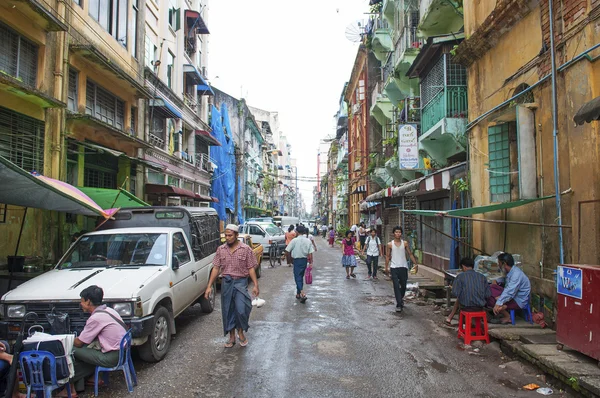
(151, 262)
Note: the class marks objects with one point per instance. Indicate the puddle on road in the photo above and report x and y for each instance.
(379, 300)
(440, 367)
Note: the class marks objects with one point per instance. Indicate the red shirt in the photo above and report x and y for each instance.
(236, 264)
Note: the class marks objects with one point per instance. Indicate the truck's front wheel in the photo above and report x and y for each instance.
(208, 304)
(159, 340)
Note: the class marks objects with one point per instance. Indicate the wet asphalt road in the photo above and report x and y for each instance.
(346, 341)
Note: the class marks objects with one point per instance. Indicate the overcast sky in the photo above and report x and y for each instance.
(290, 57)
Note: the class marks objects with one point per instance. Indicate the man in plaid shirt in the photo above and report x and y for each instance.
(236, 262)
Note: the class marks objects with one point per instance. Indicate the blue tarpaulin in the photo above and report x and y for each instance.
(223, 180)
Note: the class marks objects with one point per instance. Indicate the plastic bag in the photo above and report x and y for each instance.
(308, 276)
(59, 322)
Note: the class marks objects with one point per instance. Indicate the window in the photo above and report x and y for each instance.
(72, 93)
(79, 3)
(157, 129)
(206, 228)
(174, 15)
(100, 171)
(499, 166)
(22, 140)
(180, 249)
(170, 70)
(173, 181)
(132, 122)
(149, 53)
(105, 106)
(3, 211)
(18, 56)
(135, 9)
(112, 16)
(156, 178)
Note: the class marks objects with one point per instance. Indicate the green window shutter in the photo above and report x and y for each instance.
(499, 163)
(177, 19)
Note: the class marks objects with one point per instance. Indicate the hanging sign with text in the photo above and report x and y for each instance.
(408, 146)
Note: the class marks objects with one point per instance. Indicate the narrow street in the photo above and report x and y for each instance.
(346, 341)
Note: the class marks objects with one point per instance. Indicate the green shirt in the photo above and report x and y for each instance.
(300, 247)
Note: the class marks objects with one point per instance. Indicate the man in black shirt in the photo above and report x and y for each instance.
(470, 288)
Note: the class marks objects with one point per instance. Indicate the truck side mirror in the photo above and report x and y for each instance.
(174, 262)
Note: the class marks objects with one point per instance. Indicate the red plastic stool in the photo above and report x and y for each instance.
(465, 329)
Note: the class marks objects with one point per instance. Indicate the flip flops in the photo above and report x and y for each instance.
(230, 344)
(244, 343)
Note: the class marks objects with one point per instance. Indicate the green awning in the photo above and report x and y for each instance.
(106, 198)
(474, 210)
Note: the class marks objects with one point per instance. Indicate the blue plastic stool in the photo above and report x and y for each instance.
(32, 368)
(526, 314)
(125, 364)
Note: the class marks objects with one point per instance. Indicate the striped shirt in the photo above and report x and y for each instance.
(471, 288)
(236, 264)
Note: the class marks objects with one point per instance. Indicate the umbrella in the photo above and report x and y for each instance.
(18, 347)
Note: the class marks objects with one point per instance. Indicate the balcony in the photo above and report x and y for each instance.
(203, 162)
(398, 86)
(381, 43)
(382, 108)
(443, 124)
(439, 17)
(388, 10)
(39, 13)
(381, 177)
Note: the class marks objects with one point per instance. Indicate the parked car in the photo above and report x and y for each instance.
(257, 249)
(151, 262)
(264, 233)
(286, 221)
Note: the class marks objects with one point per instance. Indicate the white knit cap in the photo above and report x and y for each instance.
(232, 227)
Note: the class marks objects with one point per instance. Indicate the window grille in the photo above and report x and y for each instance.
(72, 93)
(22, 140)
(499, 166)
(18, 56)
(433, 83)
(104, 106)
(456, 74)
(97, 178)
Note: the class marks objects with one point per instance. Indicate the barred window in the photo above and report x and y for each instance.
(3, 211)
(104, 105)
(99, 178)
(499, 166)
(112, 16)
(18, 56)
(72, 93)
(22, 140)
(433, 83)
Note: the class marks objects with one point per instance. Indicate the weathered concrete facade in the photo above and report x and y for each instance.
(497, 71)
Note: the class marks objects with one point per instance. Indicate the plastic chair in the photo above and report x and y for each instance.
(526, 314)
(32, 368)
(465, 328)
(125, 364)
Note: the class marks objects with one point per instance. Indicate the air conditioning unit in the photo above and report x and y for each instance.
(355, 108)
(209, 167)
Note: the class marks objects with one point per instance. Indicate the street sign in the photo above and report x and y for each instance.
(408, 147)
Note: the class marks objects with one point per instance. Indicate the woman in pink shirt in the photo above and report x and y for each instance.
(349, 257)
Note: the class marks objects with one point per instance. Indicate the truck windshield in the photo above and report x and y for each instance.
(117, 250)
(272, 229)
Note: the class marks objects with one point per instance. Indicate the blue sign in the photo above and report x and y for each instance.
(569, 282)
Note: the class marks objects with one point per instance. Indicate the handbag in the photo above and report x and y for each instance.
(308, 276)
(59, 322)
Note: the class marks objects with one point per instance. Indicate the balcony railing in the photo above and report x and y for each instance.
(450, 102)
(388, 68)
(156, 141)
(408, 40)
(202, 161)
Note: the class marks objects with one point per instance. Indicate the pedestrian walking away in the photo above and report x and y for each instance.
(397, 261)
(348, 254)
(373, 247)
(300, 251)
(362, 235)
(235, 261)
(310, 237)
(331, 236)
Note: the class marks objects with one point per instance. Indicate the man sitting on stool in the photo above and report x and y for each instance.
(514, 295)
(470, 288)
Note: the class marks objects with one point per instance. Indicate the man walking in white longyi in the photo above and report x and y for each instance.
(396, 259)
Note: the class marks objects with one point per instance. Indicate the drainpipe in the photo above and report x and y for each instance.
(555, 135)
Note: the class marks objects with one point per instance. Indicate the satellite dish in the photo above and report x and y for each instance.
(355, 31)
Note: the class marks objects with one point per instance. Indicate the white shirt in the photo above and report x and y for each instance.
(373, 246)
(353, 228)
(399, 259)
(300, 247)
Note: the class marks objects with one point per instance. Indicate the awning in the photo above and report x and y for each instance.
(588, 112)
(112, 198)
(395, 192)
(208, 137)
(165, 108)
(21, 188)
(169, 190)
(203, 87)
(194, 21)
(474, 210)
(360, 189)
(364, 206)
(193, 74)
(116, 153)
